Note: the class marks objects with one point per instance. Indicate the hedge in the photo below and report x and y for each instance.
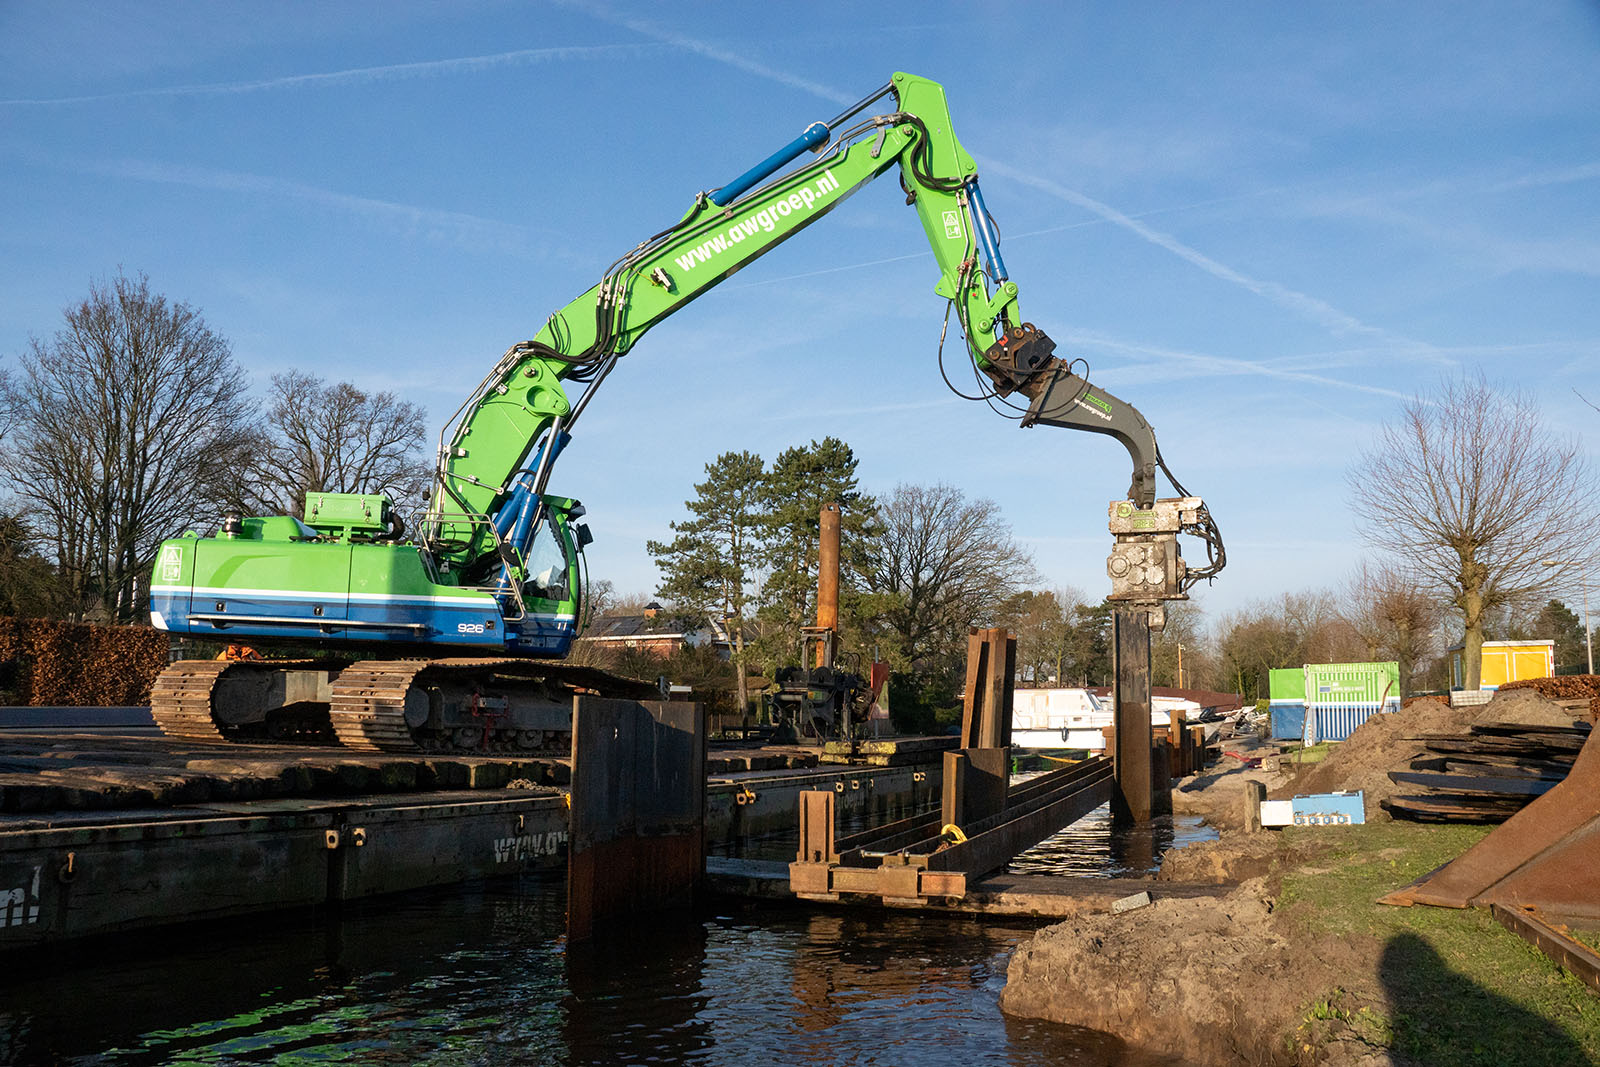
(46, 663)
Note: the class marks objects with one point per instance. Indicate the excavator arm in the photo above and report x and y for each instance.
(496, 455)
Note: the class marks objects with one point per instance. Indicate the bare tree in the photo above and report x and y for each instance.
(1395, 615)
(1180, 641)
(8, 405)
(125, 419)
(322, 438)
(943, 563)
(1042, 622)
(1298, 628)
(1471, 490)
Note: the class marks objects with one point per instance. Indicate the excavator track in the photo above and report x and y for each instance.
(367, 701)
(183, 702)
(370, 698)
(180, 699)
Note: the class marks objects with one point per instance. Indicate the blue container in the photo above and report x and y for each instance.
(1288, 719)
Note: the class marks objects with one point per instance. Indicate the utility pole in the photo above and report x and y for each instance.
(1583, 586)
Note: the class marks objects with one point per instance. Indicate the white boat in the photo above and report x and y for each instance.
(1075, 718)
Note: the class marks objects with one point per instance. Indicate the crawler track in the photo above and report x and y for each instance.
(369, 698)
(183, 704)
(180, 699)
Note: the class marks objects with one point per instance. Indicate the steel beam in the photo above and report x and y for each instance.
(1131, 714)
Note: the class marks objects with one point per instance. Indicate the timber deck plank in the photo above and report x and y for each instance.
(1020, 895)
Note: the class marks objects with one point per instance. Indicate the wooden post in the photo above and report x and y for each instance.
(1177, 737)
(1131, 714)
(1254, 793)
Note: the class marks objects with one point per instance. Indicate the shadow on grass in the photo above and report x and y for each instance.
(1442, 1017)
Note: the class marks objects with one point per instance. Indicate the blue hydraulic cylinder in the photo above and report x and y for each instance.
(988, 239)
(816, 134)
(514, 521)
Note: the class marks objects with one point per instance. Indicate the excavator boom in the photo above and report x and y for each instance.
(494, 567)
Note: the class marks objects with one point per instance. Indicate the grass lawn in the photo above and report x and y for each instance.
(1461, 989)
(1314, 754)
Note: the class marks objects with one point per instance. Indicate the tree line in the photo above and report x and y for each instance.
(1474, 509)
(918, 567)
(134, 421)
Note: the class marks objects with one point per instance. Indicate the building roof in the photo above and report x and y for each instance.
(1505, 644)
(636, 627)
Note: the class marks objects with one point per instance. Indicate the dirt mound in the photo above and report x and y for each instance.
(1168, 977)
(1527, 707)
(1377, 747)
(1233, 857)
(1563, 687)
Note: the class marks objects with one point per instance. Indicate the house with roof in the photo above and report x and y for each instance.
(656, 631)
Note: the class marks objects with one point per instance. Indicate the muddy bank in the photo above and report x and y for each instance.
(1163, 977)
(1233, 980)
(1219, 794)
(1215, 982)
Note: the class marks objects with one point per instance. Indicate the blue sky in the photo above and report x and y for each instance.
(1263, 225)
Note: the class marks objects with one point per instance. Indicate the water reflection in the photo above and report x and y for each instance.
(1097, 846)
(484, 976)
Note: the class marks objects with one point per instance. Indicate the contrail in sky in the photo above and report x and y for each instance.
(1219, 365)
(1310, 307)
(359, 75)
(454, 226)
(710, 51)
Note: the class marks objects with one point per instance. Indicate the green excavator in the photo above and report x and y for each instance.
(465, 617)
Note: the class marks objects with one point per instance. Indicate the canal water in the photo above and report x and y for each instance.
(483, 975)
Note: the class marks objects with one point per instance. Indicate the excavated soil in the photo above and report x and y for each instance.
(1526, 707)
(1380, 744)
(1212, 981)
(1217, 981)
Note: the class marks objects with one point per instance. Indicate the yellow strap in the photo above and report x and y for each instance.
(953, 832)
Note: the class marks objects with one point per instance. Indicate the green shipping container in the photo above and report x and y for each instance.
(1286, 683)
(1352, 683)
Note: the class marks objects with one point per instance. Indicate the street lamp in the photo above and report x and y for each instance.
(1583, 584)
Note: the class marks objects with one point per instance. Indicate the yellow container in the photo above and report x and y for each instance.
(1506, 661)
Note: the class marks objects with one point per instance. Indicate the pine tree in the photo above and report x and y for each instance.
(711, 566)
(801, 480)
